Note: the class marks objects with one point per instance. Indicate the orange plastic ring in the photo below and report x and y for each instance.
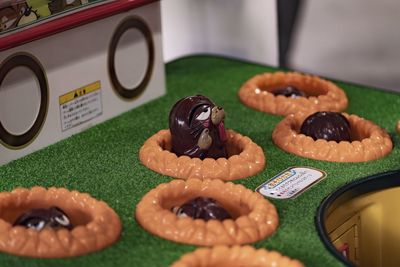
(96, 224)
(370, 141)
(235, 256)
(255, 218)
(322, 94)
(247, 159)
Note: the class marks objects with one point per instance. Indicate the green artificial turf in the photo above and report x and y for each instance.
(103, 161)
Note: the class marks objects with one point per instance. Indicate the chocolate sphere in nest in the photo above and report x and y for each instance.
(38, 219)
(331, 126)
(197, 128)
(289, 91)
(202, 208)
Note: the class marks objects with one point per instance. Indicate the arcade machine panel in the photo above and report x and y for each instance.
(69, 71)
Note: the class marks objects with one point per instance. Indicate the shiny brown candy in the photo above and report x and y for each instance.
(289, 91)
(197, 128)
(331, 126)
(38, 219)
(202, 208)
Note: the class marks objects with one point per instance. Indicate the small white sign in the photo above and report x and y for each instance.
(80, 105)
(291, 182)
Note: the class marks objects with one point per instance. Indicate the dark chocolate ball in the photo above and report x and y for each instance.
(331, 126)
(289, 91)
(202, 208)
(38, 219)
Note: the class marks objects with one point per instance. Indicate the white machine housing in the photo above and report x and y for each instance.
(59, 85)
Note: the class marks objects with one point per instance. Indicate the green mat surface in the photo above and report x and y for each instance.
(103, 161)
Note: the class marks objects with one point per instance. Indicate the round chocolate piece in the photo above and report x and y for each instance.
(197, 128)
(202, 208)
(38, 219)
(331, 126)
(289, 91)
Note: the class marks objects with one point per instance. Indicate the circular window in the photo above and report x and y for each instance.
(23, 100)
(131, 58)
(358, 223)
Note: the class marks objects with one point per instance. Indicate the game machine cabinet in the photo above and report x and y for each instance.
(68, 65)
(359, 222)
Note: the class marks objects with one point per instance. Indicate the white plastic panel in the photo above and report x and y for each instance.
(356, 41)
(19, 88)
(238, 28)
(131, 59)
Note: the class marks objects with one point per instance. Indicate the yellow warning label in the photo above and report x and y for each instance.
(79, 92)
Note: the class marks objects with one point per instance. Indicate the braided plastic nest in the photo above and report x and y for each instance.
(254, 218)
(235, 256)
(246, 159)
(370, 142)
(96, 224)
(322, 94)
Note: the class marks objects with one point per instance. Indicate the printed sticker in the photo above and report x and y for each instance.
(291, 182)
(80, 105)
